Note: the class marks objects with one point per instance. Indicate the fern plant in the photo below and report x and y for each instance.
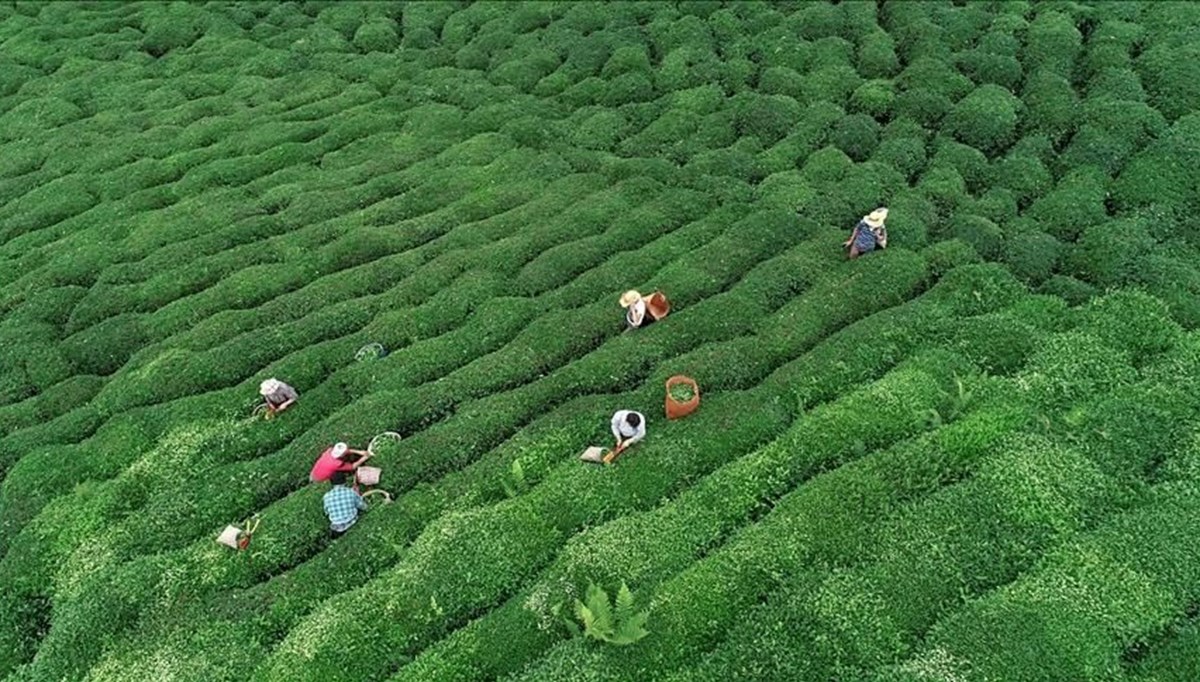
(514, 482)
(618, 623)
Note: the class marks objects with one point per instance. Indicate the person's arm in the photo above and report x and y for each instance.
(616, 427)
(881, 237)
(639, 434)
(360, 502)
(853, 236)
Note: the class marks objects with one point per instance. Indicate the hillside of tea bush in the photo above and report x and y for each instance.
(972, 456)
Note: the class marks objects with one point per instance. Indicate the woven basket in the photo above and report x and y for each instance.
(677, 409)
(369, 475)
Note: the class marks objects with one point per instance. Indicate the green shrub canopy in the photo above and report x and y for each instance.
(969, 455)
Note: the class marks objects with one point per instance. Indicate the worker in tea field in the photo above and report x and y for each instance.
(643, 311)
(628, 427)
(335, 460)
(342, 505)
(279, 396)
(868, 234)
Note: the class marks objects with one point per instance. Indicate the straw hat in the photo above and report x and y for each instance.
(339, 450)
(876, 217)
(629, 298)
(268, 386)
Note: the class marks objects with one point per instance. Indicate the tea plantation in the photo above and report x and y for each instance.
(972, 456)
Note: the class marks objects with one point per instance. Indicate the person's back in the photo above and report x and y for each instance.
(277, 394)
(628, 427)
(336, 459)
(342, 505)
(869, 234)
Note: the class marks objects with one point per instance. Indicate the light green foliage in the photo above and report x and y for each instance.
(618, 624)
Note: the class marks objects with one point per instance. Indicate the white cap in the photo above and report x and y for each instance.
(268, 386)
(339, 449)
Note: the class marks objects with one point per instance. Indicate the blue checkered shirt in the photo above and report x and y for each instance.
(341, 506)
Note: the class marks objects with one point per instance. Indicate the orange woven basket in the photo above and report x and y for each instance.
(657, 305)
(677, 409)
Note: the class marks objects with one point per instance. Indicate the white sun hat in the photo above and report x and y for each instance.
(268, 386)
(875, 218)
(339, 450)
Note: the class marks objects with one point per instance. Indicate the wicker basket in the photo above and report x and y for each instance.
(677, 409)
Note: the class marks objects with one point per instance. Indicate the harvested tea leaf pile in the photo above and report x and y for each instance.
(681, 392)
(972, 455)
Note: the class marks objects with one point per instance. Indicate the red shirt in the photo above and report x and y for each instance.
(325, 466)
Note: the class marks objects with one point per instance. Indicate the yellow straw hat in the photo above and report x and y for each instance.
(629, 298)
(876, 217)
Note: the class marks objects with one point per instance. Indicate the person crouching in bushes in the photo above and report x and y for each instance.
(643, 311)
(279, 396)
(342, 505)
(868, 234)
(335, 460)
(628, 427)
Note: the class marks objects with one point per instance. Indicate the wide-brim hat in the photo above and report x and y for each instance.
(875, 218)
(339, 449)
(629, 298)
(268, 386)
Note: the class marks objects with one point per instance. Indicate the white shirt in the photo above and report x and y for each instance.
(636, 313)
(622, 430)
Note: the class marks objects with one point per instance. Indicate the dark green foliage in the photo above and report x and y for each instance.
(376, 35)
(1170, 75)
(1032, 256)
(857, 135)
(985, 119)
(1051, 104)
(982, 234)
(169, 27)
(969, 162)
(983, 67)
(1071, 290)
(948, 254)
(905, 154)
(780, 80)
(1025, 177)
(767, 117)
(1071, 366)
(103, 348)
(1132, 321)
(1052, 43)
(877, 55)
(1077, 203)
(874, 98)
(1111, 253)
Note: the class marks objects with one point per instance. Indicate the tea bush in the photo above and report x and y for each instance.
(896, 460)
(1100, 593)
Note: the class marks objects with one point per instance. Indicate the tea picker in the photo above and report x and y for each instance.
(342, 505)
(868, 234)
(336, 458)
(643, 311)
(278, 396)
(628, 427)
